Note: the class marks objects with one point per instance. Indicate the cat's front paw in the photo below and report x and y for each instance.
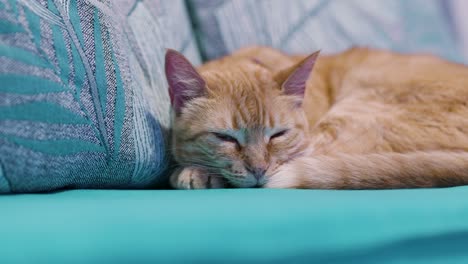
(189, 178)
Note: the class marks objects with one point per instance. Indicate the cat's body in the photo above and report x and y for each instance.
(367, 119)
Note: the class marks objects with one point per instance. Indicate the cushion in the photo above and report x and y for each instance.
(236, 226)
(304, 26)
(83, 98)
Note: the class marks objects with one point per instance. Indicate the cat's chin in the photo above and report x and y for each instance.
(246, 183)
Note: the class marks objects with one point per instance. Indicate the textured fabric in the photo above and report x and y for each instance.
(304, 26)
(83, 98)
(458, 9)
(236, 226)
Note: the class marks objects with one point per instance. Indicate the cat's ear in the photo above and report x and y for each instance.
(293, 80)
(185, 83)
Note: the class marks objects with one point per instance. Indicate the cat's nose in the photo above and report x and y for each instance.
(257, 172)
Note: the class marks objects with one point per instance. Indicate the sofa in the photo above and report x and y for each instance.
(85, 126)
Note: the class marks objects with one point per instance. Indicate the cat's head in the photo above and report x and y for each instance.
(239, 121)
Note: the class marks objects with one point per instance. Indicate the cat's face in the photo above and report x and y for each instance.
(238, 122)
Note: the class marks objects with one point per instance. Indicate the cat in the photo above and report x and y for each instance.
(360, 119)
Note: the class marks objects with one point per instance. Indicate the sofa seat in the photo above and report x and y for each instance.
(236, 226)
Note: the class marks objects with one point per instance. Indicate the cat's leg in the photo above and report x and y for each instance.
(419, 169)
(188, 178)
(288, 176)
(310, 173)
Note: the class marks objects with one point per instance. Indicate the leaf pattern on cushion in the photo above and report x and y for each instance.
(74, 110)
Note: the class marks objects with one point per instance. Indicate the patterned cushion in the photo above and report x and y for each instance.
(83, 101)
(330, 25)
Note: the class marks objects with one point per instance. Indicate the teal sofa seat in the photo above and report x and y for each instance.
(236, 226)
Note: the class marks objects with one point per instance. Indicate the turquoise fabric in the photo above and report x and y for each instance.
(83, 97)
(236, 226)
(304, 26)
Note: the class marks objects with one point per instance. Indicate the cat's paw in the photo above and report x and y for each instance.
(189, 178)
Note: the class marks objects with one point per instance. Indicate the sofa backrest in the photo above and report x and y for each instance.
(304, 26)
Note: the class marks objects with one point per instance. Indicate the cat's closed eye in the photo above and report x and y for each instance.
(226, 138)
(279, 134)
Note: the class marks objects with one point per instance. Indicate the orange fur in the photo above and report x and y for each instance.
(369, 119)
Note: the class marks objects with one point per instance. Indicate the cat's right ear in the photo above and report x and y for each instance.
(185, 83)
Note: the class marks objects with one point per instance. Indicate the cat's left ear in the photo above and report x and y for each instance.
(185, 83)
(293, 80)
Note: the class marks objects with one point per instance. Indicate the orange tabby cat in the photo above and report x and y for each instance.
(362, 119)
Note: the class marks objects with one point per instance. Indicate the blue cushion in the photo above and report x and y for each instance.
(83, 98)
(304, 26)
(236, 226)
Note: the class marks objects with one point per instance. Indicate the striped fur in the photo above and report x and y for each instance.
(369, 119)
